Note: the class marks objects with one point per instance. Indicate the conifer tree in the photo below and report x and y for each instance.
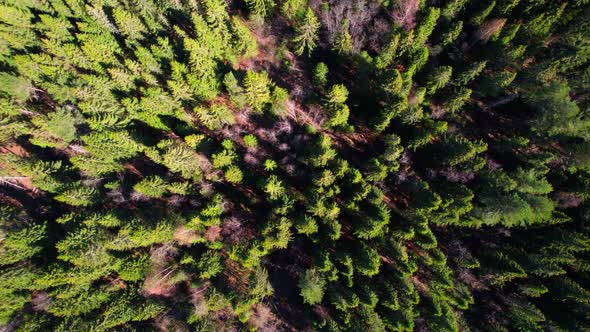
(312, 286)
(129, 24)
(153, 187)
(138, 191)
(439, 78)
(335, 102)
(262, 8)
(293, 9)
(257, 90)
(244, 42)
(456, 100)
(215, 117)
(320, 74)
(343, 41)
(306, 36)
(426, 26)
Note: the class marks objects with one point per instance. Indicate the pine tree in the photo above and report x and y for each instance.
(306, 36)
(233, 174)
(457, 100)
(215, 117)
(216, 15)
(179, 158)
(129, 24)
(335, 103)
(547, 98)
(452, 9)
(320, 74)
(122, 123)
(470, 73)
(250, 141)
(78, 195)
(293, 10)
(153, 186)
(426, 26)
(257, 90)
(279, 101)
(262, 8)
(274, 188)
(312, 286)
(451, 34)
(13, 86)
(388, 54)
(343, 41)
(236, 92)
(21, 244)
(439, 78)
(244, 42)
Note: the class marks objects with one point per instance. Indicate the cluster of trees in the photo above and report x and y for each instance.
(294, 165)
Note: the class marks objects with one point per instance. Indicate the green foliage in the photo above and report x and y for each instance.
(236, 93)
(61, 124)
(389, 112)
(15, 87)
(153, 186)
(257, 90)
(532, 181)
(15, 284)
(21, 244)
(343, 41)
(293, 10)
(279, 100)
(335, 103)
(262, 8)
(260, 287)
(244, 41)
(180, 158)
(153, 176)
(470, 73)
(456, 100)
(133, 268)
(233, 174)
(320, 74)
(250, 141)
(307, 225)
(107, 149)
(439, 78)
(215, 117)
(306, 36)
(452, 34)
(483, 14)
(452, 8)
(128, 24)
(77, 195)
(426, 26)
(321, 151)
(388, 54)
(223, 159)
(274, 188)
(556, 112)
(270, 165)
(312, 286)
(209, 264)
(504, 201)
(130, 308)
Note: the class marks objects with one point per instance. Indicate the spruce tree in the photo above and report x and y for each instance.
(306, 35)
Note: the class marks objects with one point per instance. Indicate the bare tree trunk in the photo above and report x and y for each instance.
(502, 101)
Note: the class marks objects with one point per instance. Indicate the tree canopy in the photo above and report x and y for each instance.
(293, 165)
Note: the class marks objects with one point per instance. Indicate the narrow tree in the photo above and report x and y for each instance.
(306, 35)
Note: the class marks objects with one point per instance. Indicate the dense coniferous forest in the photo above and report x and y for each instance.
(294, 165)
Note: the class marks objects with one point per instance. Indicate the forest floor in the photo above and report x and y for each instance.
(12, 177)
